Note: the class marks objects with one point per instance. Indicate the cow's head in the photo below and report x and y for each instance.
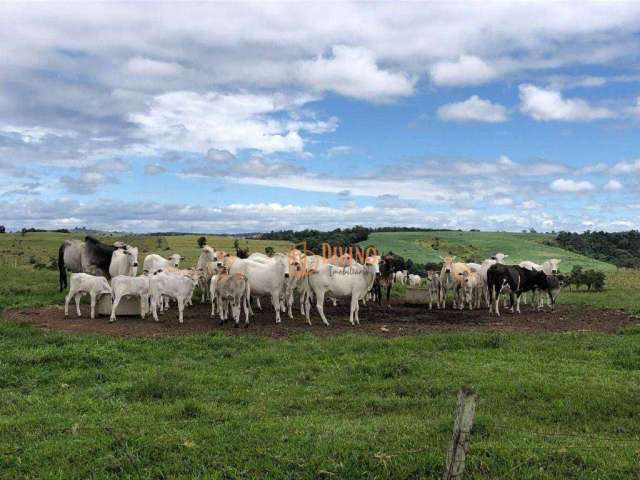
(373, 263)
(447, 263)
(175, 259)
(210, 253)
(553, 264)
(499, 257)
(133, 255)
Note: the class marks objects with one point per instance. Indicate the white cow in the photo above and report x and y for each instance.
(265, 278)
(172, 285)
(126, 286)
(474, 267)
(209, 262)
(451, 278)
(291, 265)
(154, 262)
(550, 267)
(124, 262)
(81, 283)
(415, 280)
(354, 281)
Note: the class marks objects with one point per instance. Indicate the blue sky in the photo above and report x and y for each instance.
(230, 117)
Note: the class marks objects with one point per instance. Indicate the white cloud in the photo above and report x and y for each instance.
(571, 186)
(466, 70)
(193, 121)
(473, 109)
(546, 105)
(626, 167)
(86, 183)
(142, 66)
(353, 72)
(613, 186)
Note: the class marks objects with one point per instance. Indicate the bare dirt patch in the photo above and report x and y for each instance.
(393, 320)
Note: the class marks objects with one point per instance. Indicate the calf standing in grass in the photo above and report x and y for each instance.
(125, 286)
(81, 283)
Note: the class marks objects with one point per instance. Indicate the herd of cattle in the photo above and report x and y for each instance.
(229, 282)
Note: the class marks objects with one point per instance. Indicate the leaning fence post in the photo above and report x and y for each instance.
(462, 424)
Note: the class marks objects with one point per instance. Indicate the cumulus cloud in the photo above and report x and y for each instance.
(353, 72)
(86, 183)
(465, 70)
(339, 150)
(613, 186)
(622, 168)
(194, 121)
(473, 109)
(565, 185)
(546, 105)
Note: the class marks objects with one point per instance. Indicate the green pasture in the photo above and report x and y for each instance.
(424, 247)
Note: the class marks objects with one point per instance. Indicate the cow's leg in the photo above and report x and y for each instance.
(114, 306)
(93, 304)
(258, 303)
(144, 305)
(275, 300)
(512, 301)
(77, 298)
(518, 296)
(180, 309)
(353, 309)
(154, 307)
(307, 304)
(67, 299)
(320, 307)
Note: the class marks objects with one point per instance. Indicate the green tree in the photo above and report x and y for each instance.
(269, 251)
(202, 241)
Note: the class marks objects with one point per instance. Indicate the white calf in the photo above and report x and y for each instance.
(154, 262)
(415, 280)
(172, 285)
(435, 290)
(81, 283)
(125, 286)
(472, 284)
(230, 292)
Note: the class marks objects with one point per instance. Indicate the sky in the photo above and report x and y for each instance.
(249, 117)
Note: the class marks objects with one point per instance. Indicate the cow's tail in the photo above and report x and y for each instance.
(61, 267)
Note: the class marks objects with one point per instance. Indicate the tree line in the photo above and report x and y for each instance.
(620, 248)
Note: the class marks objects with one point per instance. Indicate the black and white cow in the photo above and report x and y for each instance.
(518, 280)
(86, 256)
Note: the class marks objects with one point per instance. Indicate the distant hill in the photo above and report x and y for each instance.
(426, 247)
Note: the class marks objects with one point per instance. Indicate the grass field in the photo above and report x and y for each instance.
(552, 405)
(419, 246)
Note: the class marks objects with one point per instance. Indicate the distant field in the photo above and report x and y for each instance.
(423, 247)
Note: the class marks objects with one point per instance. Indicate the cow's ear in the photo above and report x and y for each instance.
(505, 256)
(441, 258)
(181, 258)
(559, 260)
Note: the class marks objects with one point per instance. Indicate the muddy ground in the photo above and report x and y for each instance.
(396, 319)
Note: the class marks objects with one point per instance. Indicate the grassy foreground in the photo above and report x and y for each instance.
(419, 246)
(551, 406)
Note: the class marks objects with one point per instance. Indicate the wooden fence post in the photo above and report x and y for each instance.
(462, 424)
